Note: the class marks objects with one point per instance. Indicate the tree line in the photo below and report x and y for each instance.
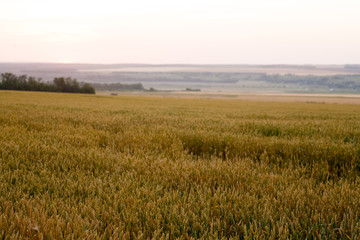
(10, 81)
(118, 86)
(332, 81)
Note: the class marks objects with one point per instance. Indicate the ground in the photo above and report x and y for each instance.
(78, 166)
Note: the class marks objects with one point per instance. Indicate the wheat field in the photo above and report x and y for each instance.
(133, 167)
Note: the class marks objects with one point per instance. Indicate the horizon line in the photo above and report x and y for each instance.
(193, 64)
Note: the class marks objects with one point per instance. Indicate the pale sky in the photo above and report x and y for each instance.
(186, 31)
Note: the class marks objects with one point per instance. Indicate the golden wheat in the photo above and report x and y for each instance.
(101, 167)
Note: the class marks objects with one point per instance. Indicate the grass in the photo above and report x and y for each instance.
(103, 167)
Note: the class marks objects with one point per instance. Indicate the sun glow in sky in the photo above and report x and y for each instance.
(196, 31)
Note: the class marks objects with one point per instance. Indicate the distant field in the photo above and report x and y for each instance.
(340, 79)
(316, 71)
(143, 167)
(248, 96)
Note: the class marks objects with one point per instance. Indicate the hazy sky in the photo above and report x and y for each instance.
(186, 31)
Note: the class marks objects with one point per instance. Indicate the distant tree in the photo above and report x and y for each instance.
(87, 88)
(59, 84)
(9, 81)
(66, 85)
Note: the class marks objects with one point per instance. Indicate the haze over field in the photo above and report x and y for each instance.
(339, 79)
(199, 32)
